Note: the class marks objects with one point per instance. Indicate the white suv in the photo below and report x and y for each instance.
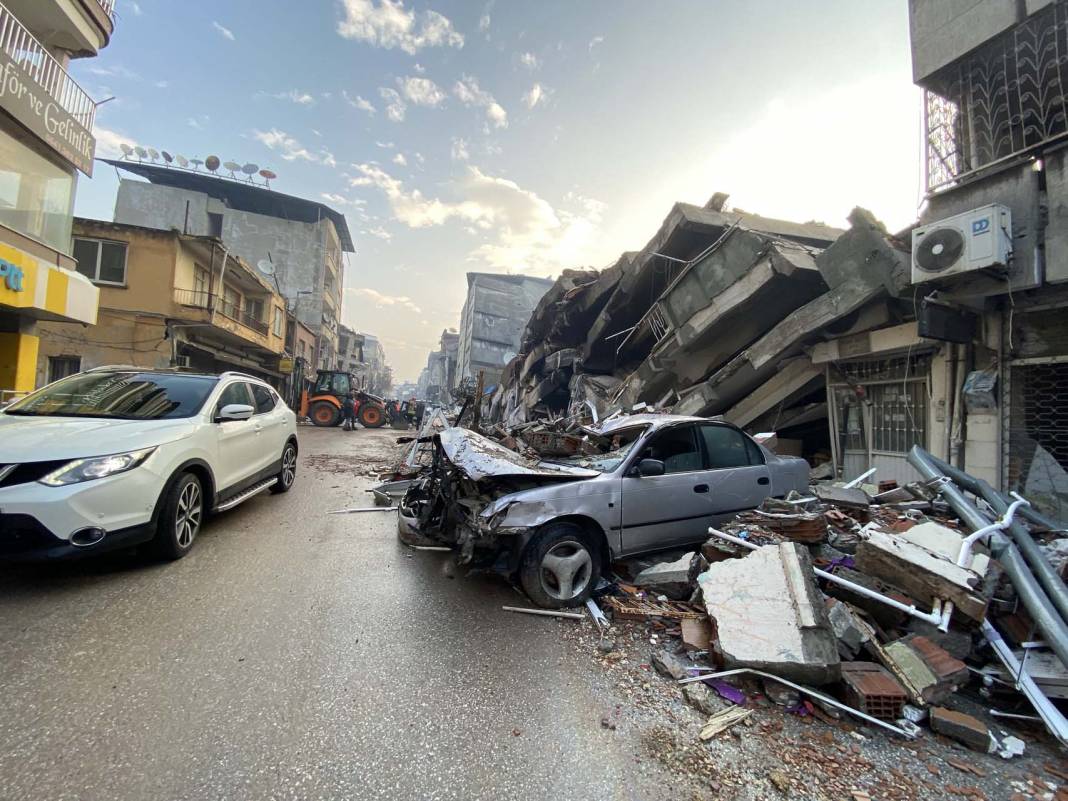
(119, 456)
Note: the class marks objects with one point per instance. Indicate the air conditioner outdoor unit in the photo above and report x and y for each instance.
(182, 361)
(971, 241)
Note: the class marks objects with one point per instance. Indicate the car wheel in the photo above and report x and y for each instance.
(287, 473)
(560, 567)
(181, 517)
(371, 416)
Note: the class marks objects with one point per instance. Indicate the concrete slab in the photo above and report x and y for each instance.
(769, 615)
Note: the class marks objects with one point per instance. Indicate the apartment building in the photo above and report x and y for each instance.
(46, 139)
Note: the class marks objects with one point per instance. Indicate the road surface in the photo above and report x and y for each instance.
(297, 655)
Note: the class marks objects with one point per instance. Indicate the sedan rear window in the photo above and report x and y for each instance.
(120, 395)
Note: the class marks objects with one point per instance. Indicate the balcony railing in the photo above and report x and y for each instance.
(22, 48)
(108, 6)
(200, 299)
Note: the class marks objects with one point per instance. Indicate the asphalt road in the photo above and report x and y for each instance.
(297, 655)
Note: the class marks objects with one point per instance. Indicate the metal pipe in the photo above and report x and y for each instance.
(1039, 565)
(964, 558)
(1046, 617)
(935, 617)
(806, 691)
(1051, 716)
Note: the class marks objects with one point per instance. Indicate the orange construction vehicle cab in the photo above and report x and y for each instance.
(323, 403)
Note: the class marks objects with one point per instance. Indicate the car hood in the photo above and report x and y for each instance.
(41, 439)
(480, 457)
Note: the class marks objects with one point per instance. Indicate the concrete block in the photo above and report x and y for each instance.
(668, 664)
(962, 728)
(769, 615)
(673, 579)
(850, 635)
(931, 670)
(924, 574)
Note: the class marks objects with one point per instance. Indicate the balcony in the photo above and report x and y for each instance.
(108, 7)
(200, 299)
(33, 63)
(81, 28)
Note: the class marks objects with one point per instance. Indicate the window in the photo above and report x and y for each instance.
(341, 384)
(35, 195)
(279, 321)
(231, 303)
(677, 448)
(254, 308)
(120, 395)
(201, 286)
(727, 447)
(264, 399)
(100, 261)
(234, 393)
(215, 225)
(63, 366)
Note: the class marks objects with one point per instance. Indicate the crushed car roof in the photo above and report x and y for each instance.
(481, 458)
(656, 420)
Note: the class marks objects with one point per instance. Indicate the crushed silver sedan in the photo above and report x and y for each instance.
(655, 482)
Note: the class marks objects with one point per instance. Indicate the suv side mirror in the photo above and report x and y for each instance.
(234, 411)
(649, 467)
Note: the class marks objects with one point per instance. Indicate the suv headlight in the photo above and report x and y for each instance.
(96, 467)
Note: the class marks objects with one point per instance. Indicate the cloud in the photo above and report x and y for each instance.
(596, 40)
(114, 71)
(421, 91)
(399, 159)
(385, 145)
(108, 141)
(294, 96)
(358, 102)
(537, 94)
(419, 68)
(529, 60)
(396, 108)
(484, 23)
(136, 8)
(197, 122)
(521, 231)
(226, 32)
(470, 93)
(381, 299)
(459, 150)
(388, 24)
(379, 232)
(162, 84)
(292, 150)
(336, 199)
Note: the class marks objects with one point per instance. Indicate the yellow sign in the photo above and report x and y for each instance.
(285, 365)
(42, 290)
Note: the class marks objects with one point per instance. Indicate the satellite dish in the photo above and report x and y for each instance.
(232, 166)
(153, 154)
(250, 169)
(212, 163)
(141, 152)
(167, 157)
(270, 176)
(196, 163)
(265, 267)
(182, 160)
(126, 150)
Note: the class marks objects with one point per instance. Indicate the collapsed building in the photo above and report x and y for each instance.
(734, 314)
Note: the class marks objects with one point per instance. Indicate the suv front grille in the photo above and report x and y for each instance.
(27, 472)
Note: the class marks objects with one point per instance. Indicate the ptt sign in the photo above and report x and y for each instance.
(11, 276)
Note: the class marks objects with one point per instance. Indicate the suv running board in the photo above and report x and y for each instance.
(251, 492)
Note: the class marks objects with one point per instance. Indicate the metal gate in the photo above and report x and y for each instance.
(878, 412)
(1036, 421)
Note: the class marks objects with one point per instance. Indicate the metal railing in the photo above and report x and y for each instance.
(108, 6)
(21, 46)
(201, 299)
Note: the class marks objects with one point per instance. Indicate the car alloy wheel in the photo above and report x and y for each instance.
(566, 570)
(289, 466)
(189, 512)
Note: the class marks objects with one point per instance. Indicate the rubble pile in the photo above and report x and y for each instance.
(782, 604)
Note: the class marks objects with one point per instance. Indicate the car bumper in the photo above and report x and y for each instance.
(38, 521)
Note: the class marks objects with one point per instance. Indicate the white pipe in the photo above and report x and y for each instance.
(965, 557)
(1051, 716)
(856, 482)
(801, 689)
(934, 617)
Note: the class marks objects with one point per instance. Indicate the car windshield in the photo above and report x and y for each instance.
(617, 446)
(120, 395)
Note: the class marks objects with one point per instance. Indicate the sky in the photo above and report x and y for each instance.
(516, 137)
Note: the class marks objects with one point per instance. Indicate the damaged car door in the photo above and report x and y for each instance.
(660, 511)
(736, 477)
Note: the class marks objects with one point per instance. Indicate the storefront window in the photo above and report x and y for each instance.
(35, 195)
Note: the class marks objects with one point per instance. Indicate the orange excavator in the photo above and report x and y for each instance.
(323, 403)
